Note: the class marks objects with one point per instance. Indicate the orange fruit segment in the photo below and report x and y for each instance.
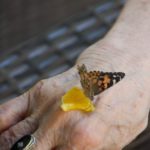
(75, 99)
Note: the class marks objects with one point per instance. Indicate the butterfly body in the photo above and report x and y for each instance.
(95, 82)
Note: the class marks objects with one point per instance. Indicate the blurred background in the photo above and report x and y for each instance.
(41, 38)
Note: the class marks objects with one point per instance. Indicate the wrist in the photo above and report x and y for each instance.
(131, 31)
(105, 56)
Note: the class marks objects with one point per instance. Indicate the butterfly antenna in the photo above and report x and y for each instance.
(82, 69)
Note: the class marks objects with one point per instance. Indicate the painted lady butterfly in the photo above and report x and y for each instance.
(95, 82)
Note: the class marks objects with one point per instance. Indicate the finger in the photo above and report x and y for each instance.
(12, 112)
(9, 137)
(55, 131)
(47, 136)
(51, 131)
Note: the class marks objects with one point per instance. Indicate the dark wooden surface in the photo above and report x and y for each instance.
(21, 20)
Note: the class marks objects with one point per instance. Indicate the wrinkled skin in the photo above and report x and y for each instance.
(121, 111)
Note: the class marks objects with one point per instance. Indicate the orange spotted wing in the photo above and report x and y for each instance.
(95, 82)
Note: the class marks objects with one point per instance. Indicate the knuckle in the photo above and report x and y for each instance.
(37, 87)
(7, 138)
(27, 126)
(41, 82)
(31, 123)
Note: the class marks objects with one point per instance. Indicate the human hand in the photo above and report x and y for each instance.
(23, 114)
(121, 111)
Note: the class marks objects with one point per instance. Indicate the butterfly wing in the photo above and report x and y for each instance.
(95, 82)
(84, 80)
(88, 81)
(108, 79)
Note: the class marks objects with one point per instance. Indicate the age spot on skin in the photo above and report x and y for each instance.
(141, 94)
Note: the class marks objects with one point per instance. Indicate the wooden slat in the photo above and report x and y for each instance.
(23, 20)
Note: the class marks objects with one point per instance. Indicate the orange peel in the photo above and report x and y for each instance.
(75, 99)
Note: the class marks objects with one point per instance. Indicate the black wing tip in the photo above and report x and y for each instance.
(122, 74)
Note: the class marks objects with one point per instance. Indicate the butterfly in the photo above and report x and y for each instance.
(95, 82)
